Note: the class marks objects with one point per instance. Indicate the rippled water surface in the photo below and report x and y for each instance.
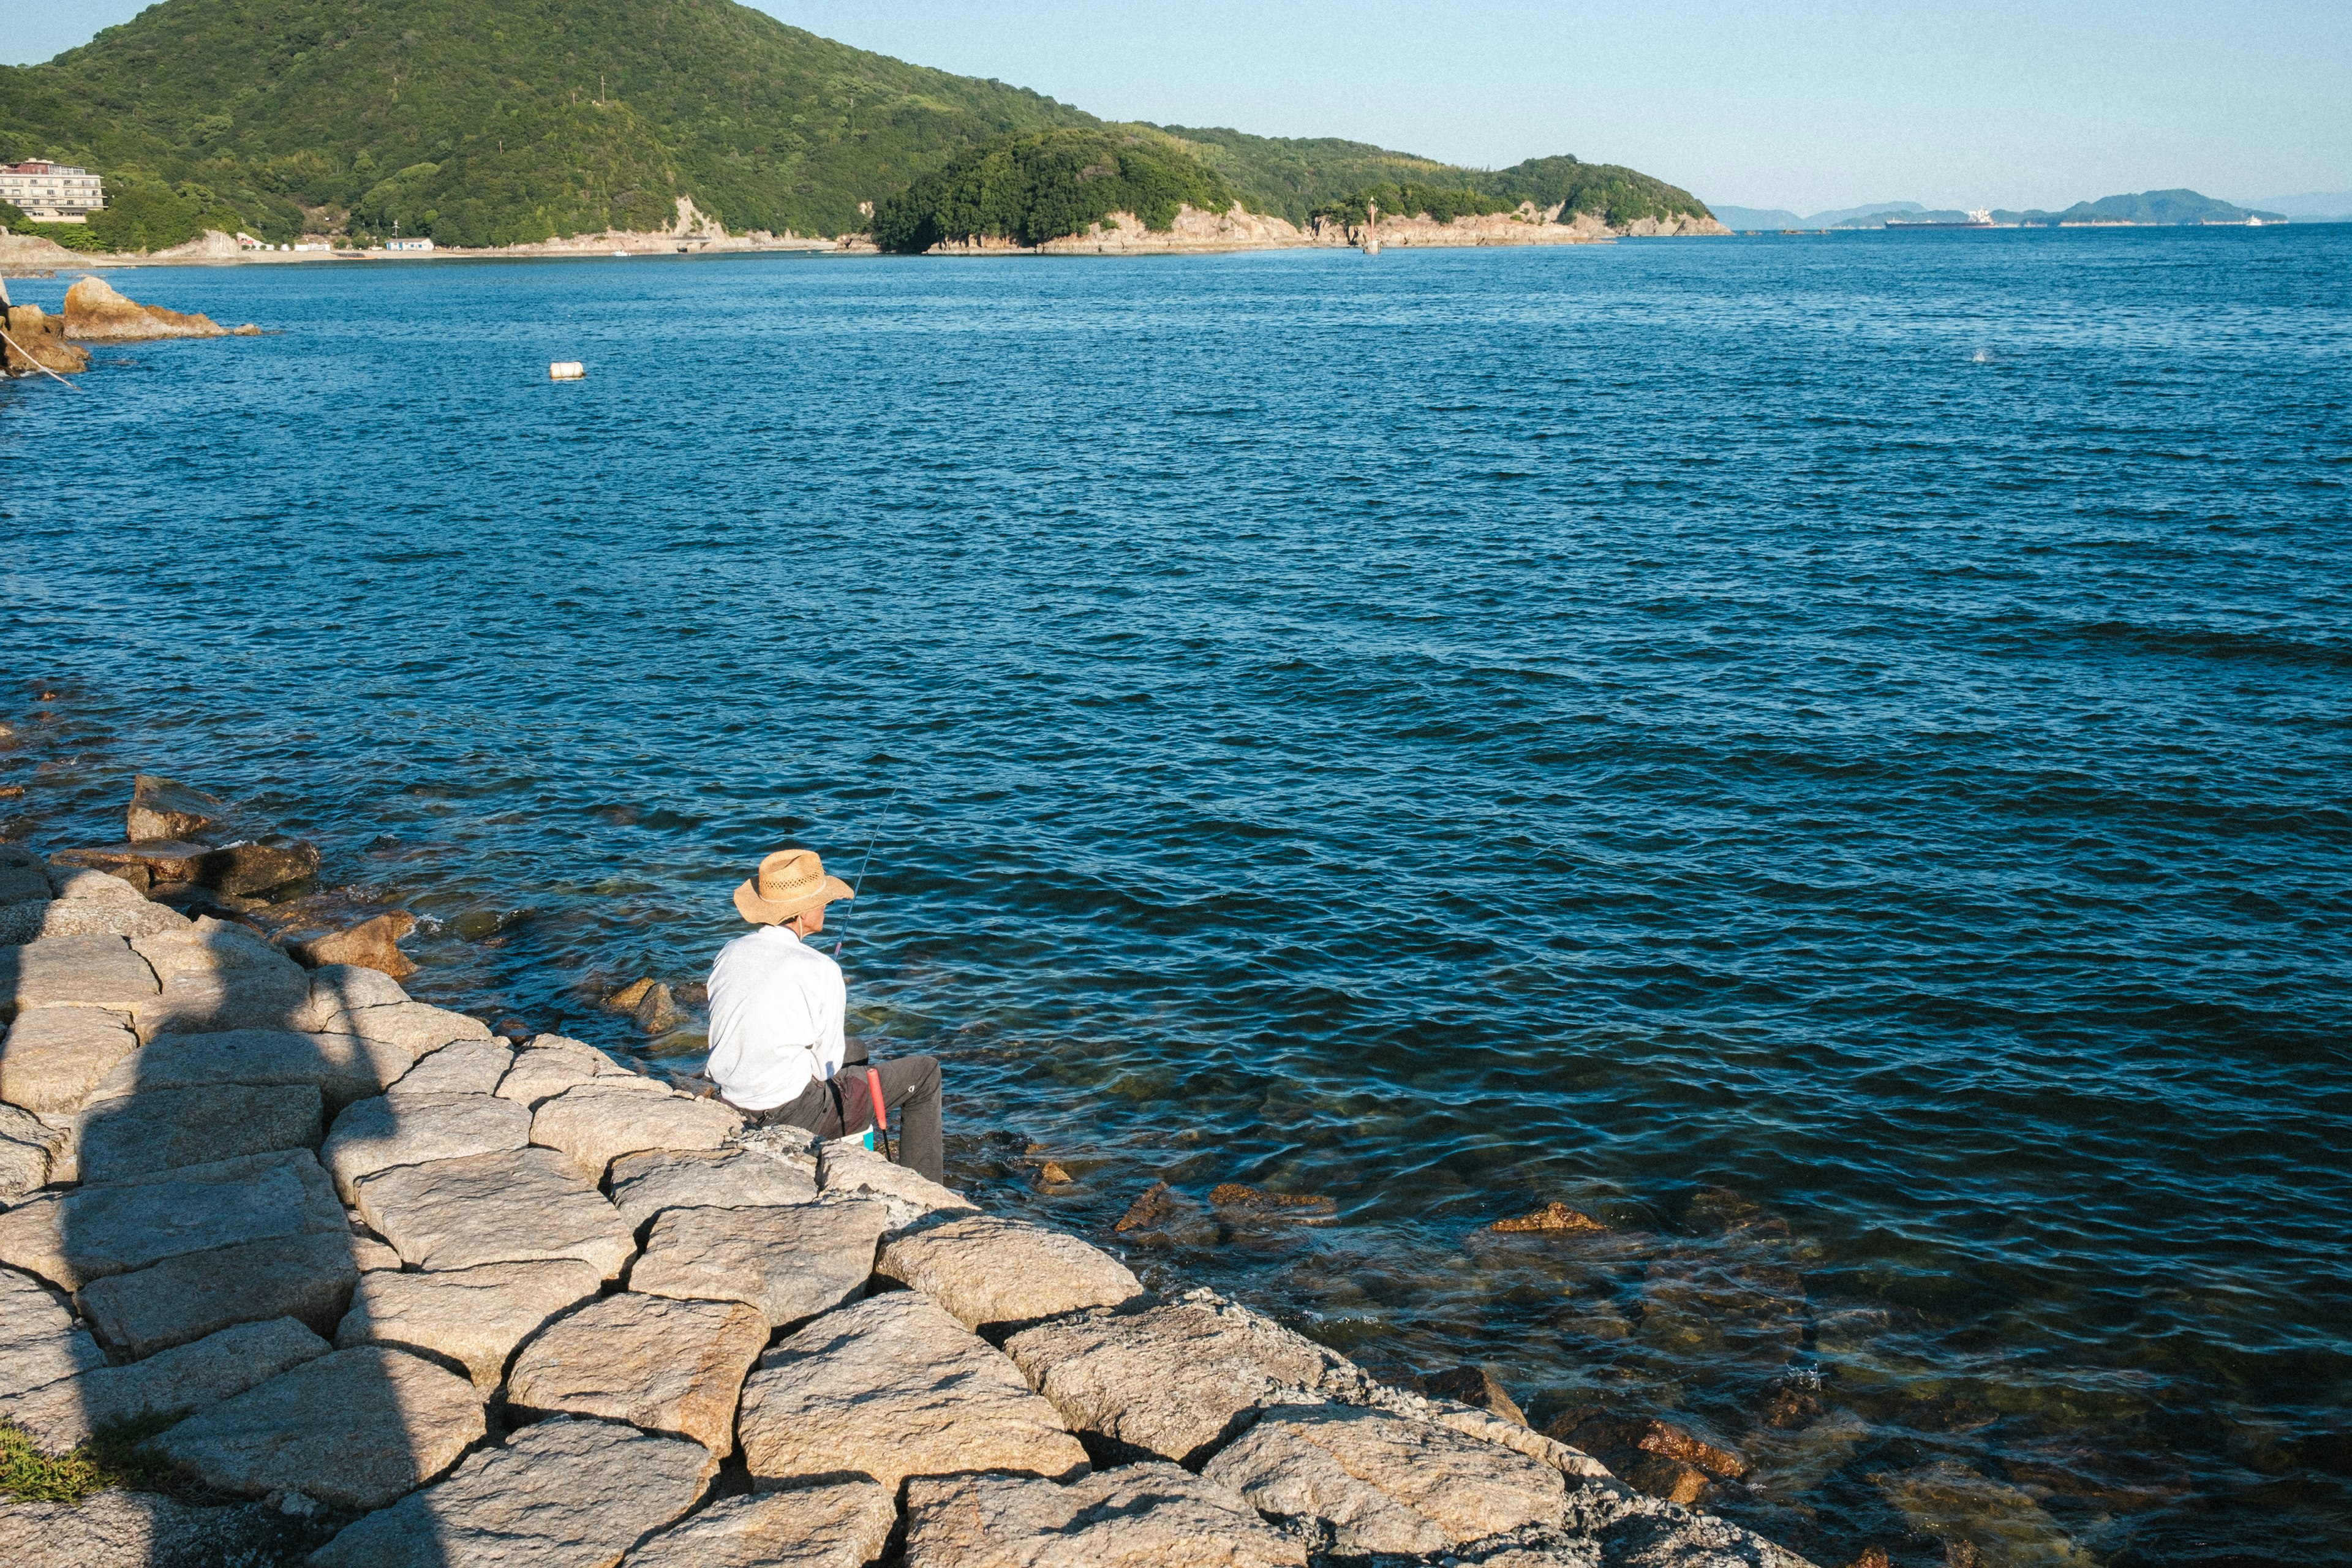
(1829, 756)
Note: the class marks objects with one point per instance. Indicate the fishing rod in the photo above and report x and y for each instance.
(881, 1134)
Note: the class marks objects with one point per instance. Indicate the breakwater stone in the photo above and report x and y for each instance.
(844, 1524)
(309, 1277)
(69, 1411)
(413, 1129)
(597, 1122)
(1147, 1515)
(75, 971)
(644, 1184)
(787, 1264)
(988, 1271)
(550, 1065)
(462, 1067)
(39, 1342)
(475, 1317)
(519, 1206)
(54, 1057)
(75, 1237)
(664, 1366)
(215, 974)
(846, 1168)
(342, 1068)
(164, 1128)
(31, 1151)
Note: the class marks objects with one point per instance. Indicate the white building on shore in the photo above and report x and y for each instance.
(51, 193)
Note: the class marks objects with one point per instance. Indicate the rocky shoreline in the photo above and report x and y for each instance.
(370, 1283)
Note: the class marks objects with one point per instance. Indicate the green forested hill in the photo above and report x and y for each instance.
(492, 121)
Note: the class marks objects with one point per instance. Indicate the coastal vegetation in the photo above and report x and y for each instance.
(1409, 200)
(1041, 185)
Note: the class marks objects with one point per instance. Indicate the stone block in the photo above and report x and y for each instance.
(233, 869)
(68, 1412)
(74, 1237)
(21, 883)
(183, 1299)
(1385, 1483)
(1177, 1379)
(1141, 1516)
(54, 1057)
(733, 1177)
(664, 1366)
(21, 922)
(114, 1528)
(373, 943)
(354, 1429)
(161, 809)
(475, 1317)
(75, 971)
(419, 1028)
(595, 1124)
(463, 1067)
(379, 1133)
(988, 1271)
(560, 1494)
(132, 917)
(787, 1263)
(29, 1152)
(78, 885)
(841, 1524)
(521, 1207)
(343, 1067)
(894, 1387)
(542, 1070)
(38, 1342)
(340, 990)
(846, 1168)
(164, 1128)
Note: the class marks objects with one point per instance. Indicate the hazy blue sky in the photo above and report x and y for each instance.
(1805, 104)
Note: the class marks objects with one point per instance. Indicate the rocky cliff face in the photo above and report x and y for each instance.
(1123, 233)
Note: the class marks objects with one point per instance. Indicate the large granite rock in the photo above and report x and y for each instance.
(74, 884)
(115, 1529)
(417, 1027)
(371, 943)
(840, 1524)
(595, 1124)
(69, 1411)
(847, 1168)
(75, 971)
(217, 974)
(97, 312)
(75, 1237)
(161, 809)
(343, 1067)
(1177, 1379)
(31, 1152)
(164, 1128)
(309, 1277)
(1141, 1516)
(666, 1366)
(894, 1387)
(97, 917)
(521, 1207)
(560, 1494)
(551, 1064)
(341, 991)
(463, 1067)
(54, 1057)
(39, 1341)
(732, 1177)
(354, 1429)
(233, 869)
(1384, 1483)
(22, 921)
(988, 1271)
(475, 1317)
(22, 878)
(787, 1263)
(411, 1129)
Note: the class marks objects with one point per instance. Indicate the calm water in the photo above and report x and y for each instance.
(1830, 755)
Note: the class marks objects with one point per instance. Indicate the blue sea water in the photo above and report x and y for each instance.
(1828, 755)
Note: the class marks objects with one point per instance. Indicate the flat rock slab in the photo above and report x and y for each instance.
(339, 991)
(164, 1128)
(1175, 1381)
(473, 1316)
(986, 1269)
(355, 1429)
(786, 1263)
(411, 1129)
(31, 1152)
(217, 974)
(39, 1341)
(75, 971)
(342, 1068)
(845, 1524)
(894, 1387)
(846, 1168)
(664, 1366)
(597, 1122)
(417, 1026)
(79, 1236)
(101, 916)
(729, 1178)
(1385, 1483)
(550, 1065)
(560, 1494)
(54, 1057)
(307, 1278)
(1141, 1516)
(114, 1528)
(521, 1207)
(68, 1412)
(463, 1067)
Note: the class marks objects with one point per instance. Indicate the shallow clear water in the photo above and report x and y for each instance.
(1830, 755)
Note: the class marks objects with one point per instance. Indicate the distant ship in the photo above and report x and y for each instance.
(1979, 218)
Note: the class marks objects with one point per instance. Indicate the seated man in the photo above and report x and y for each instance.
(776, 1008)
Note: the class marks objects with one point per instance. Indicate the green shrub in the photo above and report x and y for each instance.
(1411, 199)
(1039, 185)
(12, 217)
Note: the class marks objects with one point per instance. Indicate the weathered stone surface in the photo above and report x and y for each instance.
(217, 974)
(894, 1387)
(24, 881)
(597, 1122)
(526, 1205)
(74, 972)
(372, 1254)
(373, 943)
(183, 1299)
(987, 1269)
(192, 1377)
(75, 1237)
(379, 1133)
(163, 809)
(551, 1064)
(164, 1128)
(76, 884)
(464, 1067)
(21, 921)
(343, 1067)
(96, 312)
(1474, 1383)
(355, 1429)
(560, 1494)
(29, 1150)
(54, 1057)
(229, 869)
(97, 917)
(1141, 1516)
(337, 991)
(1385, 1483)
(1552, 1219)
(786, 1263)
(845, 1524)
(1488, 1427)
(666, 1366)
(473, 1316)
(415, 1026)
(38, 1342)
(114, 1528)
(732, 1177)
(846, 1168)
(1174, 1381)
(140, 865)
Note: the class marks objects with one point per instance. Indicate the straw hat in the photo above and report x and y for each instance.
(788, 883)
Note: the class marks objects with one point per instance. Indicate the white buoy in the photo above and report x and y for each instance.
(567, 370)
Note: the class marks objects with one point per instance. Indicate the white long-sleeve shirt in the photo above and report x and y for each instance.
(776, 1009)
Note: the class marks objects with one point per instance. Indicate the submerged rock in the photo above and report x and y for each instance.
(373, 943)
(1552, 1219)
(1474, 1385)
(1237, 1201)
(161, 809)
(96, 313)
(1660, 1458)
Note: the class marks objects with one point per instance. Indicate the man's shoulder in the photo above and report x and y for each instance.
(768, 948)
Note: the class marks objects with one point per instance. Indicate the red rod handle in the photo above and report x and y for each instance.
(881, 1114)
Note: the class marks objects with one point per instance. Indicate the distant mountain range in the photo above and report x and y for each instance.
(2158, 208)
(2316, 206)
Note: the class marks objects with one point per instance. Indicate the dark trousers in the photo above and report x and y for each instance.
(844, 1105)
